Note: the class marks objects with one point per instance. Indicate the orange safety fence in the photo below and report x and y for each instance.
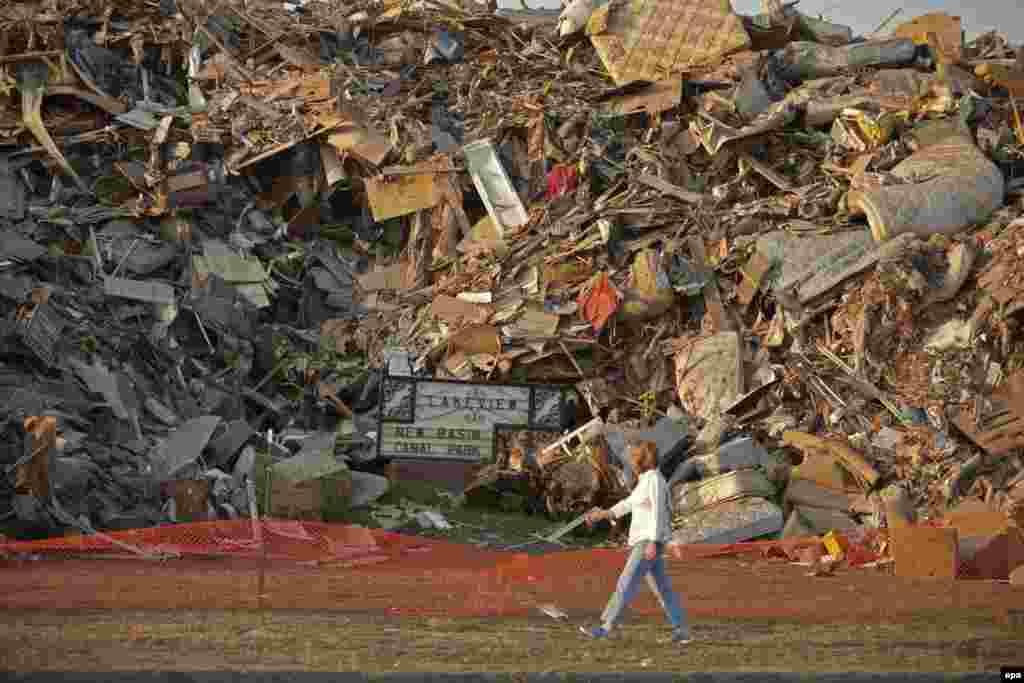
(306, 541)
(312, 565)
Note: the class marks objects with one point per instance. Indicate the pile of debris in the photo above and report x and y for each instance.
(786, 254)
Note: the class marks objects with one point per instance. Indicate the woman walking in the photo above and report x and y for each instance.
(649, 532)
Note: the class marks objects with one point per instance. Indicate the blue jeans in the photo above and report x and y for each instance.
(639, 567)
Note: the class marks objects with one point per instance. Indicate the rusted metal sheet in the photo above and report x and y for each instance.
(648, 40)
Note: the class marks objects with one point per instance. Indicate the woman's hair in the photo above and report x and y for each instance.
(644, 455)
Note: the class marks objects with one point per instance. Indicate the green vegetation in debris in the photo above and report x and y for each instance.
(697, 183)
(291, 363)
(439, 88)
(808, 138)
(112, 190)
(391, 243)
(331, 641)
(397, 509)
(584, 358)
(341, 235)
(291, 263)
(88, 345)
(335, 490)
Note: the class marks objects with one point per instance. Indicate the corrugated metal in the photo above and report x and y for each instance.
(733, 521)
(691, 497)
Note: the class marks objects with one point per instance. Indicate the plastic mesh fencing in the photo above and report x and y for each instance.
(310, 565)
(306, 541)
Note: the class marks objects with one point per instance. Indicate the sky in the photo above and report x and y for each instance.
(864, 16)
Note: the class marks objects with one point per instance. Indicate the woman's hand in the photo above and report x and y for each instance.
(595, 515)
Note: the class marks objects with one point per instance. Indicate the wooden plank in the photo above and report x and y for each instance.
(723, 322)
(671, 190)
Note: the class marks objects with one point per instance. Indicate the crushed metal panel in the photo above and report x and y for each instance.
(814, 265)
(423, 419)
(651, 39)
(733, 521)
(40, 331)
(709, 373)
(140, 290)
(183, 446)
(315, 461)
(692, 497)
(12, 193)
(14, 246)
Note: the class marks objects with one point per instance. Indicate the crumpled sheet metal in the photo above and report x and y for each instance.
(709, 374)
(714, 135)
(651, 39)
(963, 187)
(805, 60)
(691, 497)
(811, 267)
(733, 521)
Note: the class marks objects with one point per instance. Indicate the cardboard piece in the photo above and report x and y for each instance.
(653, 99)
(455, 311)
(389, 278)
(476, 339)
(362, 142)
(392, 196)
(534, 323)
(944, 33)
(807, 493)
(313, 485)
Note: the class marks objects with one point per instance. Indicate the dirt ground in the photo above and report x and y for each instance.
(451, 608)
(291, 640)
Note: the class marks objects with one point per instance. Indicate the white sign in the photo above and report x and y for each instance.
(436, 420)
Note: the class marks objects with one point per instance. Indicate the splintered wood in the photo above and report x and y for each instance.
(32, 475)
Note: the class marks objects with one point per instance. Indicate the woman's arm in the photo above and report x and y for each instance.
(641, 495)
